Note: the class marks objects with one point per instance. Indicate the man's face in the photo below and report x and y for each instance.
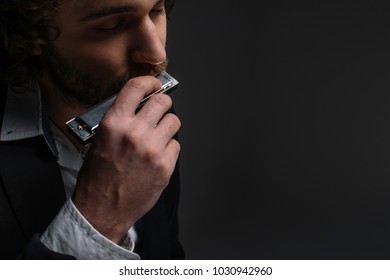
(103, 43)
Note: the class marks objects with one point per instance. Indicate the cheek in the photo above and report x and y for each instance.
(104, 61)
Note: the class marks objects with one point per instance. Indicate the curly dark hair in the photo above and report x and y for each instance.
(22, 22)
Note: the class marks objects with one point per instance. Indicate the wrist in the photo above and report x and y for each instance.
(110, 226)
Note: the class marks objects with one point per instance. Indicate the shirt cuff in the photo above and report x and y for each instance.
(71, 234)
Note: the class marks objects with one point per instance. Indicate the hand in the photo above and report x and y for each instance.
(130, 161)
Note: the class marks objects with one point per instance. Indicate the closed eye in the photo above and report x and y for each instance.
(158, 12)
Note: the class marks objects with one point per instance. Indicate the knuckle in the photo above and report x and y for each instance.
(162, 100)
(152, 155)
(107, 124)
(165, 172)
(173, 120)
(135, 83)
(133, 137)
(175, 146)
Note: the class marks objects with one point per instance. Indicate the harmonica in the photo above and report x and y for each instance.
(83, 127)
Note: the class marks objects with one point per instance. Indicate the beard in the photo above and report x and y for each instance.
(81, 88)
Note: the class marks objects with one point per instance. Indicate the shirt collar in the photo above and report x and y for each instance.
(24, 116)
(23, 113)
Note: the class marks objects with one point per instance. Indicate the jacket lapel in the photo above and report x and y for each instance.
(154, 234)
(32, 182)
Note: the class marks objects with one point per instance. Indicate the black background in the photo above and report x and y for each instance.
(285, 128)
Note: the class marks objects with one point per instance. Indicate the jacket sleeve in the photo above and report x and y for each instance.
(36, 250)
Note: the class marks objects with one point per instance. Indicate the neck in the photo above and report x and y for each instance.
(59, 110)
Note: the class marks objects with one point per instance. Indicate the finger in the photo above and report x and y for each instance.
(132, 94)
(154, 109)
(172, 152)
(167, 128)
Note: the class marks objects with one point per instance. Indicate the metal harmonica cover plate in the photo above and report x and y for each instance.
(83, 127)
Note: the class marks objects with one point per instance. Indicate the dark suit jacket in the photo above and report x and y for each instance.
(32, 193)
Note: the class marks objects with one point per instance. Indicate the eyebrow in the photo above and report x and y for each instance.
(107, 11)
(111, 10)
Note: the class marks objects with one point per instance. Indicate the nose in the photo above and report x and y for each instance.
(149, 43)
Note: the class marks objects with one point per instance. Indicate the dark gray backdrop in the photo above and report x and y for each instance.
(285, 136)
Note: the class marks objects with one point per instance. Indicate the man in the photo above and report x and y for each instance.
(118, 198)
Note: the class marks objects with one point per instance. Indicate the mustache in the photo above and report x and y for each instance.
(139, 70)
(143, 70)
